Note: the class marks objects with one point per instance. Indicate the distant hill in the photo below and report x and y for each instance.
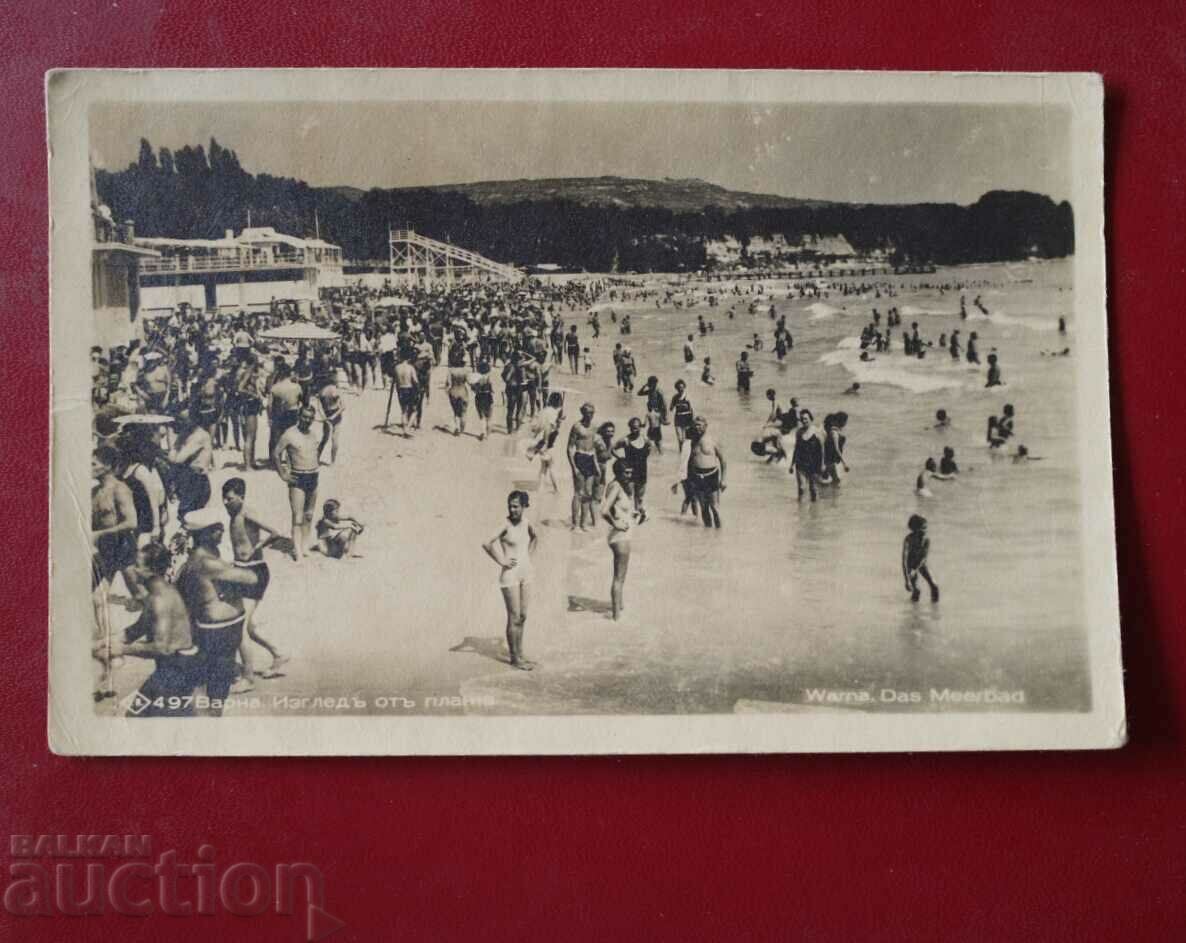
(684, 195)
(597, 224)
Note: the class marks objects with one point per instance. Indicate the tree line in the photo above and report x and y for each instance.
(198, 192)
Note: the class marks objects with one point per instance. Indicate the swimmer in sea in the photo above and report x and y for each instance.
(920, 483)
(511, 549)
(706, 374)
(994, 372)
(1023, 455)
(942, 420)
(947, 466)
(745, 370)
(854, 390)
(915, 549)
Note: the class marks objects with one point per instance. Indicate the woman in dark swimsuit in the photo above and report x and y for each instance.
(634, 450)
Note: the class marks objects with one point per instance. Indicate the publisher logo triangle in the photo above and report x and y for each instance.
(321, 924)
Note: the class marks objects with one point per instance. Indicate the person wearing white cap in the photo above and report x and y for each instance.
(211, 588)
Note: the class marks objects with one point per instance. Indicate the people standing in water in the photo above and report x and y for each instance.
(994, 372)
(745, 370)
(915, 549)
(656, 412)
(582, 461)
(972, 354)
(807, 458)
(511, 549)
(619, 514)
(681, 413)
(834, 442)
(634, 449)
(706, 473)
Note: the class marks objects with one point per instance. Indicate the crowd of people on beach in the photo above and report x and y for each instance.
(200, 389)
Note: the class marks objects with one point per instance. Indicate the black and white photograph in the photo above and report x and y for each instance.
(579, 412)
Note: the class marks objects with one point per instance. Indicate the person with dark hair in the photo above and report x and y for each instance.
(483, 396)
(283, 404)
(336, 532)
(807, 458)
(634, 449)
(512, 376)
(585, 467)
(511, 549)
(682, 413)
(915, 549)
(942, 420)
(656, 411)
(994, 372)
(163, 634)
(619, 513)
(296, 461)
(249, 536)
(745, 370)
(192, 458)
(834, 441)
(457, 387)
(971, 353)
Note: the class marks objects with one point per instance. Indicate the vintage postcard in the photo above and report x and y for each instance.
(537, 412)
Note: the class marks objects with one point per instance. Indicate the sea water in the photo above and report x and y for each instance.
(792, 600)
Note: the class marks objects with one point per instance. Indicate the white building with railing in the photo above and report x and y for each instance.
(235, 273)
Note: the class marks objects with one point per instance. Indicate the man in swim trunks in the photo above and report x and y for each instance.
(211, 589)
(249, 536)
(283, 405)
(163, 634)
(706, 472)
(113, 536)
(297, 463)
(582, 459)
(407, 389)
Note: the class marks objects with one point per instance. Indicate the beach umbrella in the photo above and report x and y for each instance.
(143, 419)
(298, 331)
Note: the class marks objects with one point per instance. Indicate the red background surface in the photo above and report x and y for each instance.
(976, 847)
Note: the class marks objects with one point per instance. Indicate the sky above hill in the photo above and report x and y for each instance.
(849, 152)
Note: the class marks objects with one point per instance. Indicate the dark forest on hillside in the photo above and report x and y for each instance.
(198, 192)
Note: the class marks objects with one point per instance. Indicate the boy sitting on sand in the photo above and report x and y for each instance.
(336, 533)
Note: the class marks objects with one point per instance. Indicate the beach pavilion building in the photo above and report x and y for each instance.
(237, 273)
(115, 266)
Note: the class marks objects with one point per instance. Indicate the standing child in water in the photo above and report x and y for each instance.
(915, 549)
(706, 374)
